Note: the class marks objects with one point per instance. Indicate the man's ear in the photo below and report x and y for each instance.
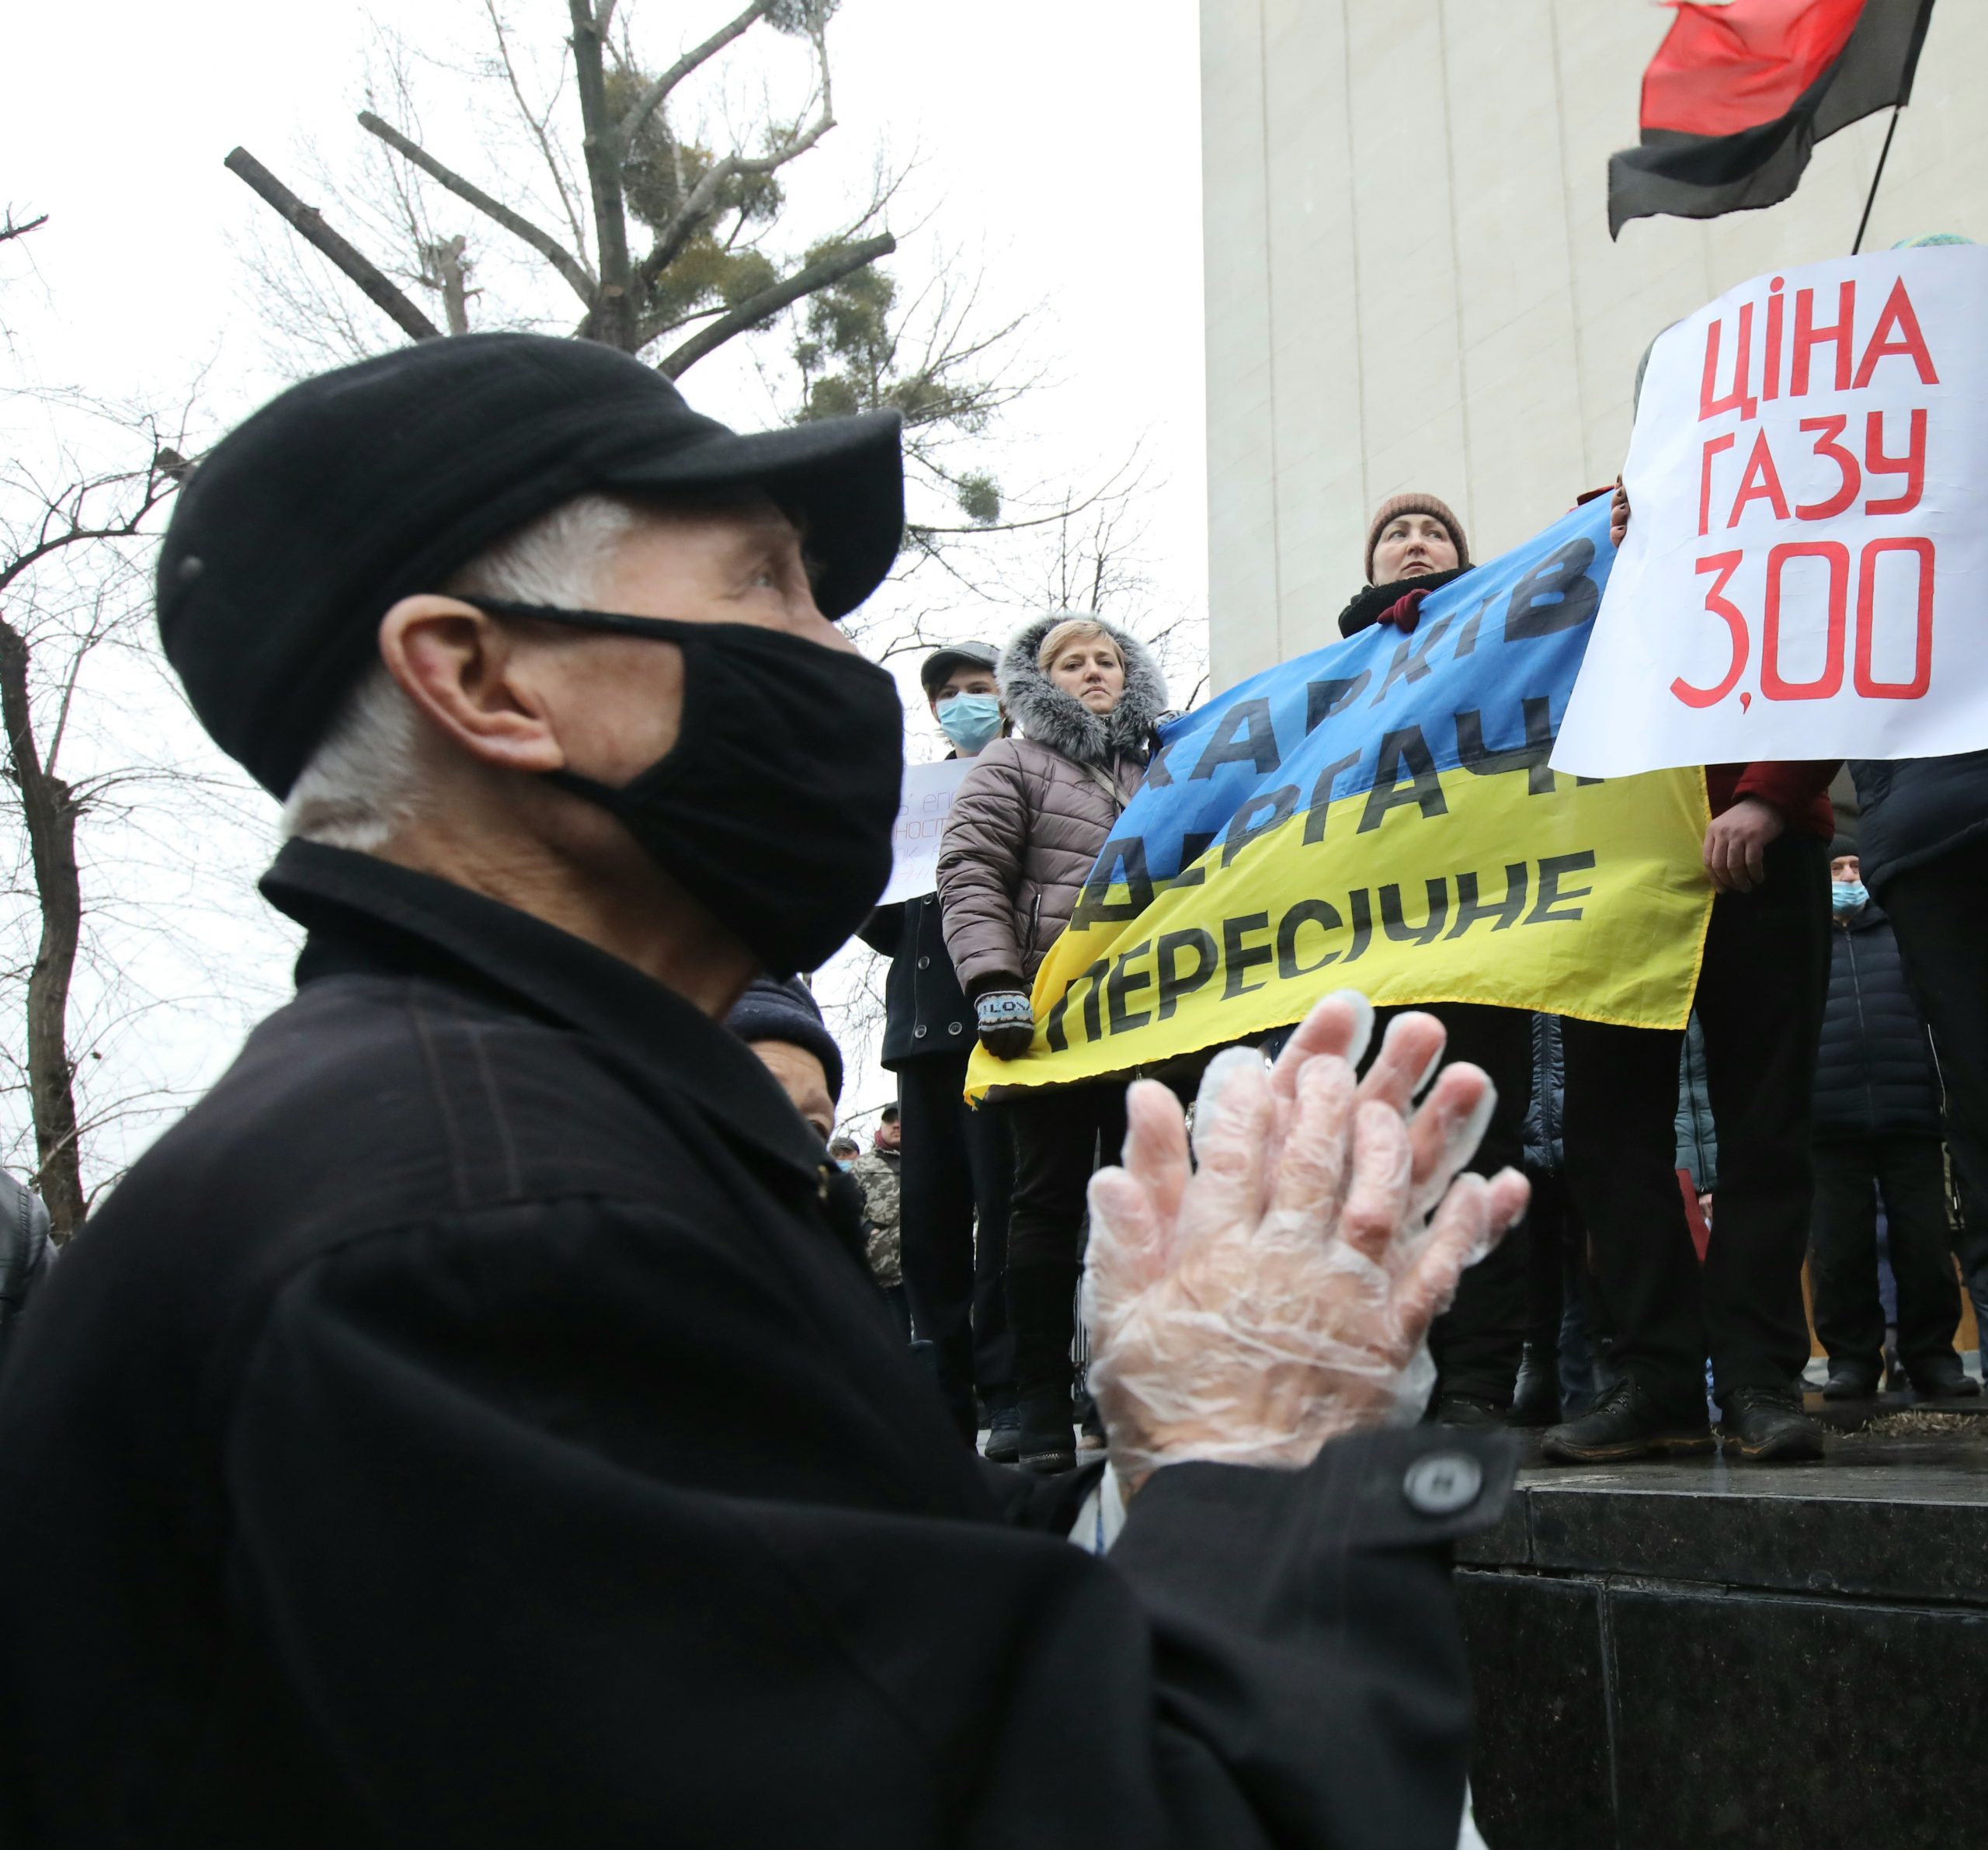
(460, 667)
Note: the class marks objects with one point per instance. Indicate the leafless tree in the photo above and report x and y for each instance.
(660, 237)
(112, 839)
(623, 199)
(46, 638)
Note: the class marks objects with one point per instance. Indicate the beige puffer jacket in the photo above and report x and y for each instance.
(1034, 812)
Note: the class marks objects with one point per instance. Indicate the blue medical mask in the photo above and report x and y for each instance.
(1847, 896)
(970, 720)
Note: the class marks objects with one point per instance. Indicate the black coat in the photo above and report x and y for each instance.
(1914, 809)
(1875, 1074)
(471, 1426)
(925, 1010)
(25, 1250)
(1546, 1110)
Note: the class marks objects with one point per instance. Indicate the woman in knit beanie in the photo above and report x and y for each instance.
(1411, 536)
(1416, 544)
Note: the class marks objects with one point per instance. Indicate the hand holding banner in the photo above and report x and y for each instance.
(1806, 573)
(1381, 815)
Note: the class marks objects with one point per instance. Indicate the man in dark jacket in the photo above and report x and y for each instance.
(1759, 1001)
(959, 1163)
(471, 1425)
(1877, 1136)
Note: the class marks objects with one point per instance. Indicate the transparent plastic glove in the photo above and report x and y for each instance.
(1247, 1310)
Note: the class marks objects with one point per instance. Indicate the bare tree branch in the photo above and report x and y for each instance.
(830, 268)
(310, 225)
(613, 321)
(683, 226)
(645, 104)
(535, 122)
(9, 229)
(543, 243)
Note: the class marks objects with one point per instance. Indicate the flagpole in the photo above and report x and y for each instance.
(1864, 224)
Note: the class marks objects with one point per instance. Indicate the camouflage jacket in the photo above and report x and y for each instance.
(876, 1173)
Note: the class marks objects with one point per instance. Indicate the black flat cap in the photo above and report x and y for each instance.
(354, 489)
(942, 661)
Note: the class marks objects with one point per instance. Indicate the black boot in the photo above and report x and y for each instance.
(1468, 1409)
(1768, 1425)
(1004, 1429)
(1630, 1421)
(1850, 1380)
(1042, 1315)
(1940, 1377)
(1536, 1394)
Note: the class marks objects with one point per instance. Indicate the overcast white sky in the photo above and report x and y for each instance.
(1058, 145)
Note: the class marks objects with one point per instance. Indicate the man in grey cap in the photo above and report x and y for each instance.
(471, 1425)
(959, 1164)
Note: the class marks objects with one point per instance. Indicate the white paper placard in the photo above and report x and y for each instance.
(1806, 573)
(929, 790)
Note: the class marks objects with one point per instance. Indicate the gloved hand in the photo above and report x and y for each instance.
(1006, 1023)
(1247, 1310)
(1406, 612)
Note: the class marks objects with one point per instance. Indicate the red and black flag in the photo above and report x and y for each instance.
(1738, 94)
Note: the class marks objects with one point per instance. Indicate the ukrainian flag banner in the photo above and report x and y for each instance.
(1381, 815)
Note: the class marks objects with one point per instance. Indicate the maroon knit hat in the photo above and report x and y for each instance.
(1415, 504)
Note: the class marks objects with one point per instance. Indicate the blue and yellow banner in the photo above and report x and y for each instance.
(1381, 816)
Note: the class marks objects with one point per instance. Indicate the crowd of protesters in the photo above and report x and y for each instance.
(477, 1421)
(1681, 1180)
(505, 1406)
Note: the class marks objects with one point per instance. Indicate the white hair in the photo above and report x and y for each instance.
(363, 781)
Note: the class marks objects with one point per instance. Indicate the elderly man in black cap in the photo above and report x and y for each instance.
(471, 1425)
(959, 1164)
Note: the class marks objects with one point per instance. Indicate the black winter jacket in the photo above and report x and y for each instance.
(925, 1010)
(1913, 809)
(472, 1425)
(1874, 1072)
(25, 1250)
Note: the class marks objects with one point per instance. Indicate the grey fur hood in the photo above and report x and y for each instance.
(1050, 717)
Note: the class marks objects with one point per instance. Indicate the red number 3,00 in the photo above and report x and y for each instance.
(1773, 685)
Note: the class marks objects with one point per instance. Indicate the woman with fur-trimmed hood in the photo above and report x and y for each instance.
(1026, 825)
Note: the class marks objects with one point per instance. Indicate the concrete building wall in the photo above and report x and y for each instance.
(1409, 278)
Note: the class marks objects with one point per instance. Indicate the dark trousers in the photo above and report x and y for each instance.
(1760, 1003)
(1936, 910)
(1061, 1135)
(958, 1163)
(1851, 1173)
(1477, 1342)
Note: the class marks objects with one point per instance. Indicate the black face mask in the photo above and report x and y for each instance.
(775, 806)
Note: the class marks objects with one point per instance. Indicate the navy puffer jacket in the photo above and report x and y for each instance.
(1545, 1149)
(1874, 1073)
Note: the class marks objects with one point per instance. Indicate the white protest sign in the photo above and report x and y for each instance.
(1806, 573)
(929, 790)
